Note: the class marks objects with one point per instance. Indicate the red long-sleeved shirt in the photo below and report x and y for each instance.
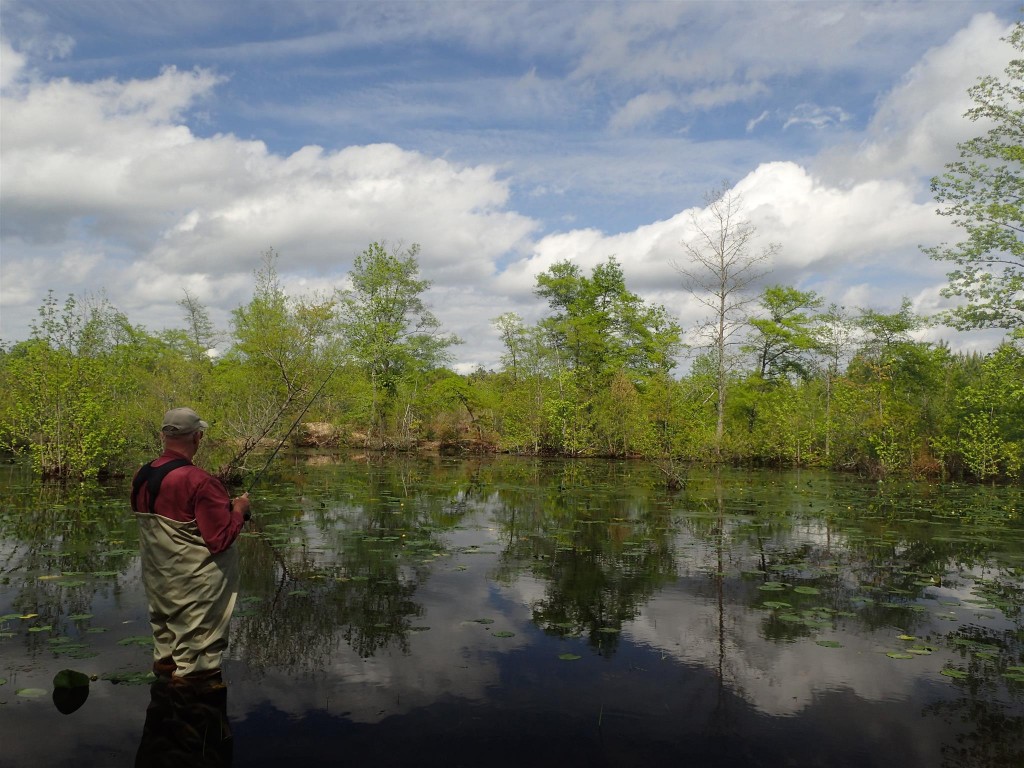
(189, 493)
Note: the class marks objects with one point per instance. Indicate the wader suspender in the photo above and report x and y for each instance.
(153, 477)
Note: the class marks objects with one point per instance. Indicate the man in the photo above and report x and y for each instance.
(187, 525)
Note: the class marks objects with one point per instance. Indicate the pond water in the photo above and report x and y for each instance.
(511, 612)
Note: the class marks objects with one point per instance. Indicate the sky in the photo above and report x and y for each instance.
(148, 149)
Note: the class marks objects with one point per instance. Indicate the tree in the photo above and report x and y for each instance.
(388, 328)
(282, 351)
(515, 336)
(983, 193)
(68, 391)
(601, 327)
(718, 274)
(784, 339)
(833, 332)
(199, 331)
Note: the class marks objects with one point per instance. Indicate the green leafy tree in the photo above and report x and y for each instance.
(901, 376)
(783, 339)
(600, 327)
(283, 349)
(983, 194)
(67, 390)
(388, 327)
(989, 422)
(834, 331)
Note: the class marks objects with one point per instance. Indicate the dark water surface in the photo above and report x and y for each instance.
(507, 612)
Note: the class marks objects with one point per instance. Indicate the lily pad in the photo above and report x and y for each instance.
(828, 643)
(956, 674)
(70, 678)
(804, 590)
(504, 634)
(899, 655)
(31, 693)
(130, 678)
(569, 656)
(136, 640)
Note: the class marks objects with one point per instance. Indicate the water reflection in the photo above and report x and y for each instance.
(584, 602)
(186, 725)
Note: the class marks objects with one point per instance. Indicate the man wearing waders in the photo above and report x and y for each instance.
(187, 525)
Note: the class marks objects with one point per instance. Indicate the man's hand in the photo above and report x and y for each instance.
(241, 503)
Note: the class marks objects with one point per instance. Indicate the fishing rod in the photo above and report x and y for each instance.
(253, 522)
(281, 442)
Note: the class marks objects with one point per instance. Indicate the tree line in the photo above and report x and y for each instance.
(776, 376)
(794, 383)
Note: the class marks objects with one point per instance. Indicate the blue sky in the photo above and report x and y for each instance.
(149, 148)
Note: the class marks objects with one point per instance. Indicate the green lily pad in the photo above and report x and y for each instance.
(609, 630)
(828, 643)
(802, 590)
(775, 604)
(130, 678)
(31, 693)
(80, 616)
(70, 678)
(504, 634)
(956, 674)
(483, 621)
(899, 655)
(569, 657)
(136, 640)
(772, 586)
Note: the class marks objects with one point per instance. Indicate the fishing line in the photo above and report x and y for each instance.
(281, 442)
(252, 483)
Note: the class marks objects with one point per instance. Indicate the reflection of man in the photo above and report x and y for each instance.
(186, 727)
(187, 524)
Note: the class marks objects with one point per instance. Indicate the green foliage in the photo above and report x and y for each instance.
(599, 327)
(65, 390)
(982, 193)
(783, 339)
(84, 393)
(387, 326)
(987, 431)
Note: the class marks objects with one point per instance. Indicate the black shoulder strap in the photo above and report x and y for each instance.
(152, 477)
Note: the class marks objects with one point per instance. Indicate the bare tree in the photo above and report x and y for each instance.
(718, 270)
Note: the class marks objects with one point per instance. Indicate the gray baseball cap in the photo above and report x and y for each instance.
(182, 421)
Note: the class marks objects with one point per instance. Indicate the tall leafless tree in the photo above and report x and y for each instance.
(718, 270)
